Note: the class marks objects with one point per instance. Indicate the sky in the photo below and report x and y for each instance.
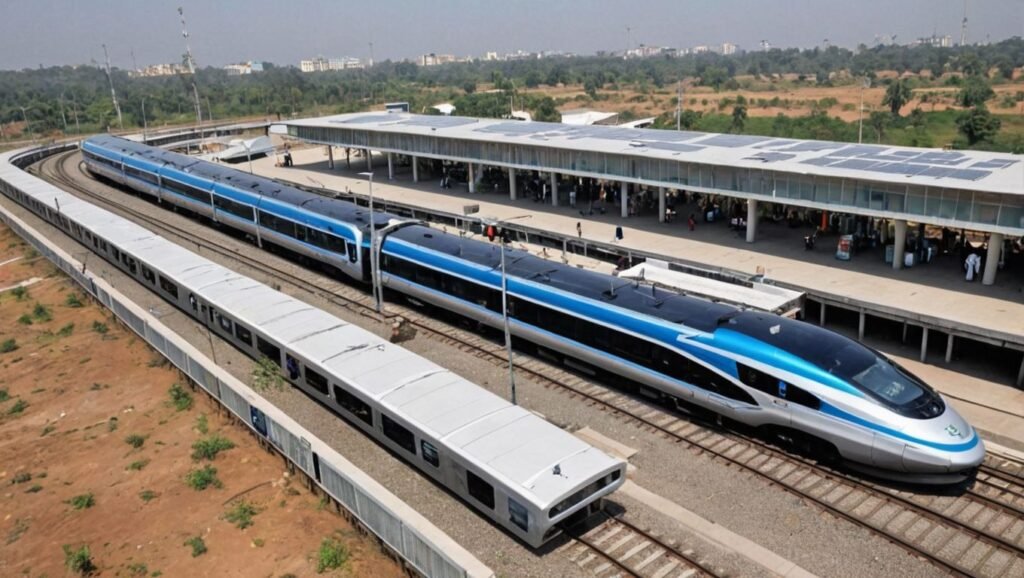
(56, 32)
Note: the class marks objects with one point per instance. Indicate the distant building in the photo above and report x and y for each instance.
(702, 49)
(162, 70)
(491, 56)
(585, 116)
(433, 59)
(935, 41)
(396, 107)
(244, 68)
(728, 48)
(445, 108)
(321, 64)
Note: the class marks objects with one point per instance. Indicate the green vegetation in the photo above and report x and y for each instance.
(331, 556)
(147, 495)
(66, 330)
(197, 544)
(181, 399)
(47, 430)
(135, 440)
(73, 301)
(18, 407)
(267, 375)
(112, 424)
(241, 514)
(138, 569)
(20, 293)
(8, 345)
(137, 465)
(203, 478)
(4, 395)
(202, 425)
(79, 561)
(35, 489)
(21, 478)
(25, 319)
(41, 313)
(100, 327)
(208, 448)
(82, 502)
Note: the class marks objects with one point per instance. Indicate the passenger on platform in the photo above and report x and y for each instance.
(579, 229)
(692, 222)
(972, 265)
(572, 197)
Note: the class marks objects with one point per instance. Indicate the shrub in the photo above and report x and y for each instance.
(203, 478)
(138, 569)
(82, 502)
(267, 375)
(100, 327)
(35, 489)
(197, 544)
(25, 319)
(147, 495)
(79, 561)
(202, 425)
(48, 430)
(137, 465)
(332, 555)
(241, 514)
(208, 448)
(73, 300)
(41, 312)
(112, 424)
(20, 293)
(181, 399)
(18, 407)
(21, 478)
(4, 396)
(66, 330)
(135, 440)
(8, 345)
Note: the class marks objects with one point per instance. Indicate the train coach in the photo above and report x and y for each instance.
(809, 387)
(522, 472)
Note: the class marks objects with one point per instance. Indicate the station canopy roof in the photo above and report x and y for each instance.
(970, 170)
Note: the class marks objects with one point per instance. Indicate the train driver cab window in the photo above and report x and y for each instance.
(518, 515)
(269, 350)
(398, 434)
(480, 489)
(292, 366)
(430, 454)
(758, 379)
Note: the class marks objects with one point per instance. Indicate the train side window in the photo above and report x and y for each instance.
(800, 396)
(291, 365)
(706, 379)
(168, 287)
(243, 334)
(353, 255)
(518, 514)
(300, 232)
(316, 381)
(225, 323)
(269, 350)
(148, 275)
(353, 405)
(430, 454)
(480, 489)
(398, 434)
(758, 379)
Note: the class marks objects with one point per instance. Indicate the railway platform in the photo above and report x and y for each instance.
(935, 291)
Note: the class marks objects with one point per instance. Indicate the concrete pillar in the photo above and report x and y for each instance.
(391, 168)
(949, 348)
(751, 220)
(624, 199)
(554, 189)
(883, 231)
(860, 325)
(512, 184)
(415, 169)
(924, 344)
(472, 179)
(369, 160)
(900, 244)
(330, 158)
(661, 204)
(1020, 374)
(821, 317)
(995, 249)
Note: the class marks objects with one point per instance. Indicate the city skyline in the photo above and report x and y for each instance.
(222, 33)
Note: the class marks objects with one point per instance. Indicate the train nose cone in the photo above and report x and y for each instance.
(958, 432)
(969, 459)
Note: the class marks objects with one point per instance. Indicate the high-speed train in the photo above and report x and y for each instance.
(807, 385)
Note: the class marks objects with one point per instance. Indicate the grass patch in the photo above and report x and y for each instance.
(35, 489)
(203, 478)
(135, 440)
(181, 399)
(20, 293)
(137, 465)
(100, 327)
(267, 375)
(241, 514)
(25, 319)
(48, 430)
(72, 300)
(8, 345)
(18, 407)
(208, 448)
(19, 528)
(41, 313)
(201, 424)
(21, 478)
(148, 495)
(331, 556)
(197, 544)
(4, 394)
(258, 542)
(79, 561)
(112, 424)
(66, 330)
(82, 502)
(138, 569)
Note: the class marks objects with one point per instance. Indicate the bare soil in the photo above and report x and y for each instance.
(86, 392)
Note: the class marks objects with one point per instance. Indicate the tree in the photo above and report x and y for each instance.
(469, 87)
(880, 122)
(689, 119)
(739, 117)
(545, 111)
(978, 125)
(975, 91)
(897, 95)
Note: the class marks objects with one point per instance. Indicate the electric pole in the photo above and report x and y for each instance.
(963, 27)
(191, 69)
(113, 94)
(679, 105)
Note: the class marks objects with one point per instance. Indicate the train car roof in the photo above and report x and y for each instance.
(641, 298)
(500, 440)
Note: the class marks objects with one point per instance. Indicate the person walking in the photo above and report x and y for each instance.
(579, 229)
(572, 197)
(692, 222)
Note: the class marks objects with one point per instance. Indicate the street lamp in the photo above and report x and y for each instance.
(145, 124)
(248, 153)
(504, 302)
(25, 118)
(866, 83)
(374, 280)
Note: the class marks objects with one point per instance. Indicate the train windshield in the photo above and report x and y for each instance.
(862, 367)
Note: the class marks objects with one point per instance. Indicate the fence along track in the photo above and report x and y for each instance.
(964, 535)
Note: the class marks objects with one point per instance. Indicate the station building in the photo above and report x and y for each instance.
(957, 190)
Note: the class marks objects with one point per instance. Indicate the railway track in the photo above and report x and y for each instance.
(978, 532)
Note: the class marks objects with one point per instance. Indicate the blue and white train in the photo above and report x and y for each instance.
(807, 385)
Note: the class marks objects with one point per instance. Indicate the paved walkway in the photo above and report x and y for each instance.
(935, 290)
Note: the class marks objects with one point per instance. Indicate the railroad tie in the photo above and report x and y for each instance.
(647, 561)
(661, 573)
(634, 550)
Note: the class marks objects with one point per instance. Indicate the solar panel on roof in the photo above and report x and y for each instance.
(732, 140)
(366, 119)
(856, 164)
(898, 168)
(774, 144)
(770, 157)
(994, 164)
(674, 146)
(673, 136)
(904, 154)
(811, 146)
(439, 121)
(819, 161)
(937, 172)
(509, 128)
(858, 150)
(968, 174)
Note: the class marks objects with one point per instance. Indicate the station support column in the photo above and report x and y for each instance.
(415, 169)
(512, 184)
(624, 199)
(369, 160)
(751, 220)
(995, 249)
(330, 157)
(554, 189)
(391, 168)
(900, 243)
(472, 179)
(661, 204)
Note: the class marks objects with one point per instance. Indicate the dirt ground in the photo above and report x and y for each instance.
(73, 401)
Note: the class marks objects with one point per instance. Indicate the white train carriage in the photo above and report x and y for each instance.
(514, 467)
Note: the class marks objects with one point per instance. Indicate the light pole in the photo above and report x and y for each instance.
(248, 154)
(145, 124)
(374, 281)
(504, 303)
(24, 117)
(63, 116)
(865, 83)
